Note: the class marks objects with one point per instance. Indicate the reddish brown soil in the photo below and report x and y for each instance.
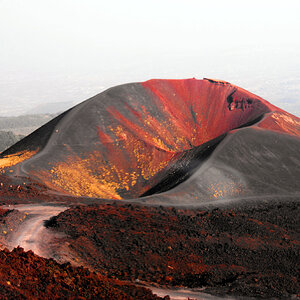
(23, 275)
(244, 251)
(3, 212)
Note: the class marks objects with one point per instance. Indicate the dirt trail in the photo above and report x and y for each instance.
(185, 294)
(33, 235)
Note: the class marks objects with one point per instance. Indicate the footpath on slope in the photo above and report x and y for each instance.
(32, 234)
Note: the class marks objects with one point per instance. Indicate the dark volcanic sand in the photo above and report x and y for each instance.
(249, 250)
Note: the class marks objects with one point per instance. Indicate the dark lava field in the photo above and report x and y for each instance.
(173, 184)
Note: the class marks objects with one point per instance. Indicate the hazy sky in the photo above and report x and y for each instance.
(69, 50)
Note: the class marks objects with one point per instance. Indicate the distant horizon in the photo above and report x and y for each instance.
(68, 51)
(60, 106)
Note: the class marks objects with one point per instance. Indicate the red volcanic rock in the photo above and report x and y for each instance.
(122, 142)
(24, 275)
(202, 110)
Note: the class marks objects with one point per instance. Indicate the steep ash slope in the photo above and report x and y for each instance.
(249, 163)
(123, 142)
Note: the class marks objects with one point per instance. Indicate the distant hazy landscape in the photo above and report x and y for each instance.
(12, 129)
(277, 82)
